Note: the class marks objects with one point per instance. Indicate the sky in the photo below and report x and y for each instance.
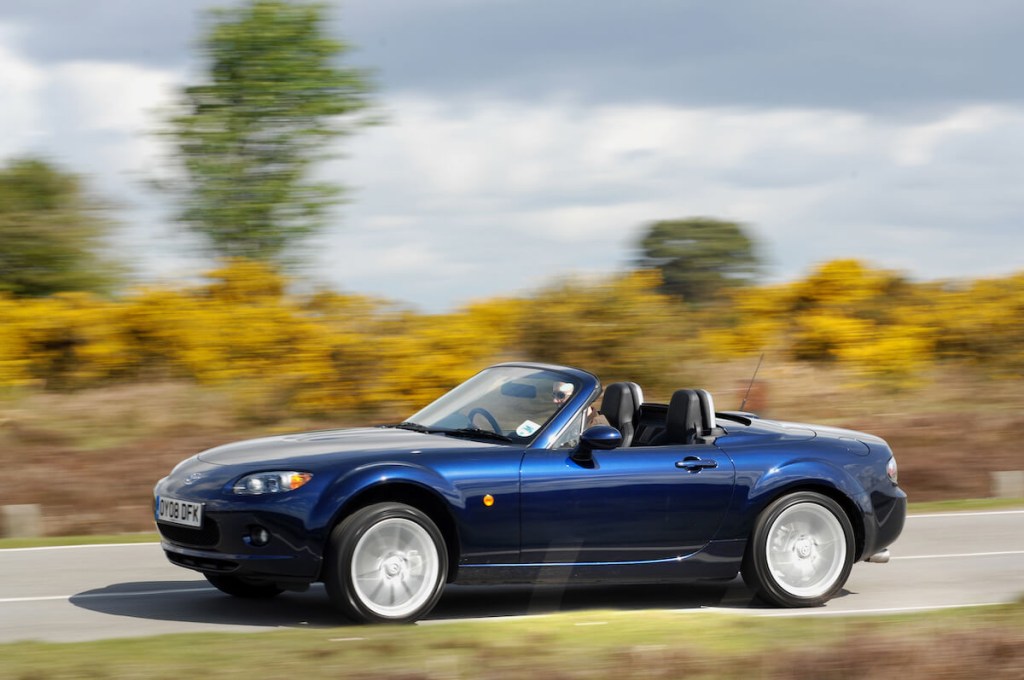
(527, 140)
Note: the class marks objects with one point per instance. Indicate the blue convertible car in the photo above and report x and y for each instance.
(503, 480)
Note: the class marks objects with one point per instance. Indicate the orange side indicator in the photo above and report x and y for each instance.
(488, 500)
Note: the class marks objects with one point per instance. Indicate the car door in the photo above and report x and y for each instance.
(626, 505)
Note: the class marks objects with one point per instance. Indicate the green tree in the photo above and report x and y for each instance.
(699, 256)
(51, 233)
(272, 101)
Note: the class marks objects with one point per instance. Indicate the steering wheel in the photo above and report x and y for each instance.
(491, 420)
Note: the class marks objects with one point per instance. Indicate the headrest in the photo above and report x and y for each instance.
(707, 411)
(620, 402)
(683, 421)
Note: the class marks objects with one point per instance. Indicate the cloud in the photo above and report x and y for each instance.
(871, 55)
(513, 194)
(96, 119)
(94, 116)
(156, 35)
(20, 81)
(113, 96)
(864, 56)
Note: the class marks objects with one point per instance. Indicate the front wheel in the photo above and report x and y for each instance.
(801, 551)
(386, 563)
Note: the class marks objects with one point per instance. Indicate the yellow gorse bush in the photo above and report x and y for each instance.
(876, 322)
(14, 347)
(330, 352)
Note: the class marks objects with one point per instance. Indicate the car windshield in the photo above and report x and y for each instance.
(510, 402)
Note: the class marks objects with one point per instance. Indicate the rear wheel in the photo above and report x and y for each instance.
(386, 563)
(239, 587)
(801, 551)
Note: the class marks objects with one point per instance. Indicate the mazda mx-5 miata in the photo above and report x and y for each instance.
(502, 481)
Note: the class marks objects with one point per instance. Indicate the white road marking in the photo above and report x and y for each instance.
(134, 593)
(76, 547)
(953, 555)
(46, 598)
(979, 513)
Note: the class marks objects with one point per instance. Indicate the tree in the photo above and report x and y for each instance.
(699, 256)
(248, 136)
(51, 233)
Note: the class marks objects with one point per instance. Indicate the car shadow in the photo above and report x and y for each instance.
(198, 602)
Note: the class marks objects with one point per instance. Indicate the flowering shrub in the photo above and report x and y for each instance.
(876, 322)
(329, 352)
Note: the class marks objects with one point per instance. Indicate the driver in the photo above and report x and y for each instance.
(560, 393)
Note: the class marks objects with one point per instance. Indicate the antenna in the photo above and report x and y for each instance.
(747, 395)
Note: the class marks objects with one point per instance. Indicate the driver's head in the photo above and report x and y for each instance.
(561, 391)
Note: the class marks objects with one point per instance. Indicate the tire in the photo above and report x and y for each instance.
(800, 552)
(238, 587)
(386, 563)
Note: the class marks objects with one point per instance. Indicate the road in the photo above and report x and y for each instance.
(97, 592)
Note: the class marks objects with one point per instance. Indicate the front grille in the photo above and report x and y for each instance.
(202, 537)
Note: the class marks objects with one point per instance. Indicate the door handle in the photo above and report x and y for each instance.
(695, 464)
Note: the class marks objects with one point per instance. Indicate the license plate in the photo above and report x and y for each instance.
(173, 511)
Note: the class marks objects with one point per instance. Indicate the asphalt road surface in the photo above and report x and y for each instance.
(96, 592)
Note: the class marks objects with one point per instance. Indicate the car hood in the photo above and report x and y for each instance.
(329, 444)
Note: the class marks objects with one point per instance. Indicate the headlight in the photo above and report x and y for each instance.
(270, 482)
(891, 469)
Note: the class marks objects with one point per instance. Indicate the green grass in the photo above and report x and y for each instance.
(598, 644)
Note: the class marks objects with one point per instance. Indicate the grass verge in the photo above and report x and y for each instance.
(623, 645)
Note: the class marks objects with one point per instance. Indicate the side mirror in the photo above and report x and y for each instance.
(596, 438)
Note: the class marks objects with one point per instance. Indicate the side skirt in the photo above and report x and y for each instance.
(717, 560)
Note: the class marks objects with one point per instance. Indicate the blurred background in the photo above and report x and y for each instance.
(219, 219)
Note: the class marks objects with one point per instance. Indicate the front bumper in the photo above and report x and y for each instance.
(224, 542)
(223, 545)
(887, 520)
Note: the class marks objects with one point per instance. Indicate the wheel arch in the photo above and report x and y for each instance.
(848, 505)
(412, 494)
(819, 476)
